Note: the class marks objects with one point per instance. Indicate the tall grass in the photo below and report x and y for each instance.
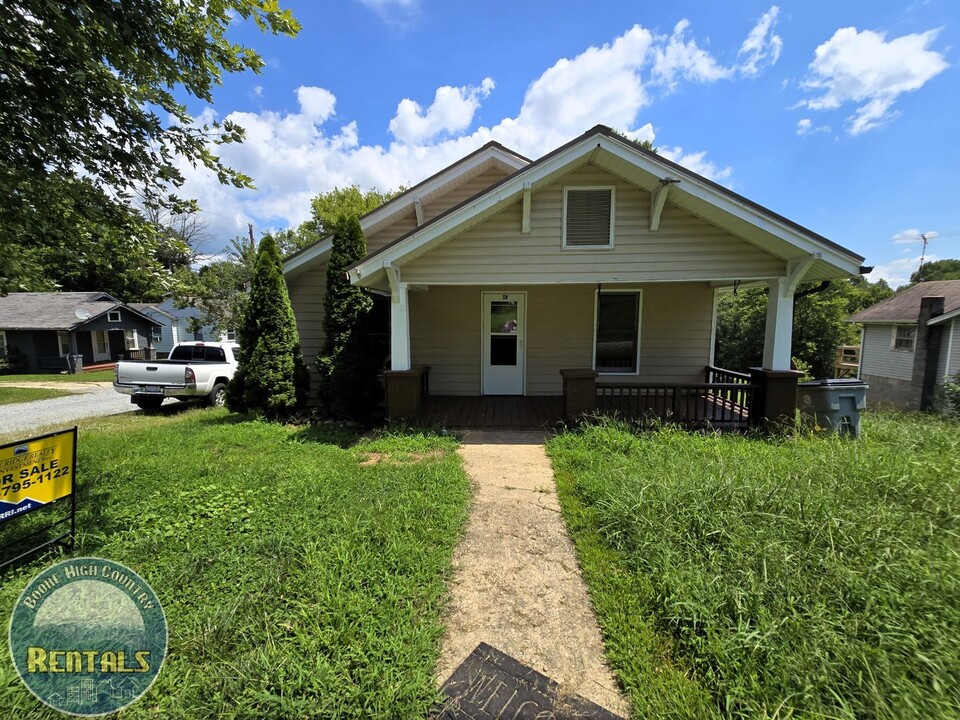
(296, 582)
(806, 577)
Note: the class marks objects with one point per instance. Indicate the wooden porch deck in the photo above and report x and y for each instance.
(492, 411)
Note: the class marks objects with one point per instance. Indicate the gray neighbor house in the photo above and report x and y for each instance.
(911, 344)
(49, 328)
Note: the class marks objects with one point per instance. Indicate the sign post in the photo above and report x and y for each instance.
(36, 473)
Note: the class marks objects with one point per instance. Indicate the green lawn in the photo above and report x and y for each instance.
(95, 376)
(296, 582)
(11, 395)
(808, 577)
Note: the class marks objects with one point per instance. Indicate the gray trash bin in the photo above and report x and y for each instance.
(75, 363)
(834, 404)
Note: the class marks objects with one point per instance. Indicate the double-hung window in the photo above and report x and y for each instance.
(617, 332)
(904, 337)
(63, 343)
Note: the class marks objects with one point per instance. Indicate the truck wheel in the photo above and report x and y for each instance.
(148, 403)
(217, 396)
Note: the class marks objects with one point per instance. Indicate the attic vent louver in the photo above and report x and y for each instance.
(588, 217)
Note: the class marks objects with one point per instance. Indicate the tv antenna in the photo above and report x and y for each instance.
(926, 238)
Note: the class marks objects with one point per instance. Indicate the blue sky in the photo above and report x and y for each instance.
(843, 116)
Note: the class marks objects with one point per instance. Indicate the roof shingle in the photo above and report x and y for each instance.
(905, 305)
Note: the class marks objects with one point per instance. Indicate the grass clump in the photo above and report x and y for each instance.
(296, 582)
(13, 395)
(805, 577)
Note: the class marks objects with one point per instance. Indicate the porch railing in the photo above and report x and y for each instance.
(717, 404)
(722, 375)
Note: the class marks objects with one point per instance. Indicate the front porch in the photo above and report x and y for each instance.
(727, 401)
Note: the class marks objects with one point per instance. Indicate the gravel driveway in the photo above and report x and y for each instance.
(93, 400)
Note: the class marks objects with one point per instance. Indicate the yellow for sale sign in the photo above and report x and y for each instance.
(36, 472)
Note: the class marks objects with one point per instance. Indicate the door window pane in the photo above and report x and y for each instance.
(618, 318)
(503, 317)
(503, 350)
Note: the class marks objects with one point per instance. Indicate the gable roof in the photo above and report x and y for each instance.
(147, 308)
(57, 310)
(490, 154)
(904, 307)
(613, 153)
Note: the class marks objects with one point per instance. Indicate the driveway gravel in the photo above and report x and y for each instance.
(92, 400)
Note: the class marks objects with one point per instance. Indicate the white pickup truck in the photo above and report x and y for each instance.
(192, 370)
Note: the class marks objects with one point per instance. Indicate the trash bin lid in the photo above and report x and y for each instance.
(833, 382)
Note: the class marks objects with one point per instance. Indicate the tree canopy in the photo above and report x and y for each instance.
(937, 270)
(90, 113)
(327, 208)
(819, 323)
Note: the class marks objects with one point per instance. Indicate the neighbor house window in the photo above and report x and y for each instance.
(63, 341)
(588, 217)
(231, 336)
(617, 349)
(157, 333)
(903, 337)
(130, 340)
(113, 316)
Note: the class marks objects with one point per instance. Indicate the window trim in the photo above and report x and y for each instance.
(596, 327)
(613, 215)
(113, 316)
(894, 338)
(131, 337)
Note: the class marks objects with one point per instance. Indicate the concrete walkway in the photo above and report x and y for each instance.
(517, 585)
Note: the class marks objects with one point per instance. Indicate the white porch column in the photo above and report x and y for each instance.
(399, 321)
(779, 335)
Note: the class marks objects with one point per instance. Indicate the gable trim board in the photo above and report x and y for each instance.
(601, 147)
(414, 199)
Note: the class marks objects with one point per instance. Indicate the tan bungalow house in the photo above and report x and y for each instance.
(590, 274)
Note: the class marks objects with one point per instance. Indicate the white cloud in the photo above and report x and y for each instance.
(296, 155)
(316, 103)
(914, 236)
(452, 111)
(697, 161)
(394, 12)
(864, 68)
(684, 58)
(898, 272)
(762, 46)
(805, 126)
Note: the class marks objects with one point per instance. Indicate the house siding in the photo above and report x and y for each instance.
(408, 222)
(306, 298)
(445, 333)
(877, 357)
(954, 367)
(684, 248)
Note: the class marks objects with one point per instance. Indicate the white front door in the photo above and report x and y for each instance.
(504, 330)
(101, 345)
